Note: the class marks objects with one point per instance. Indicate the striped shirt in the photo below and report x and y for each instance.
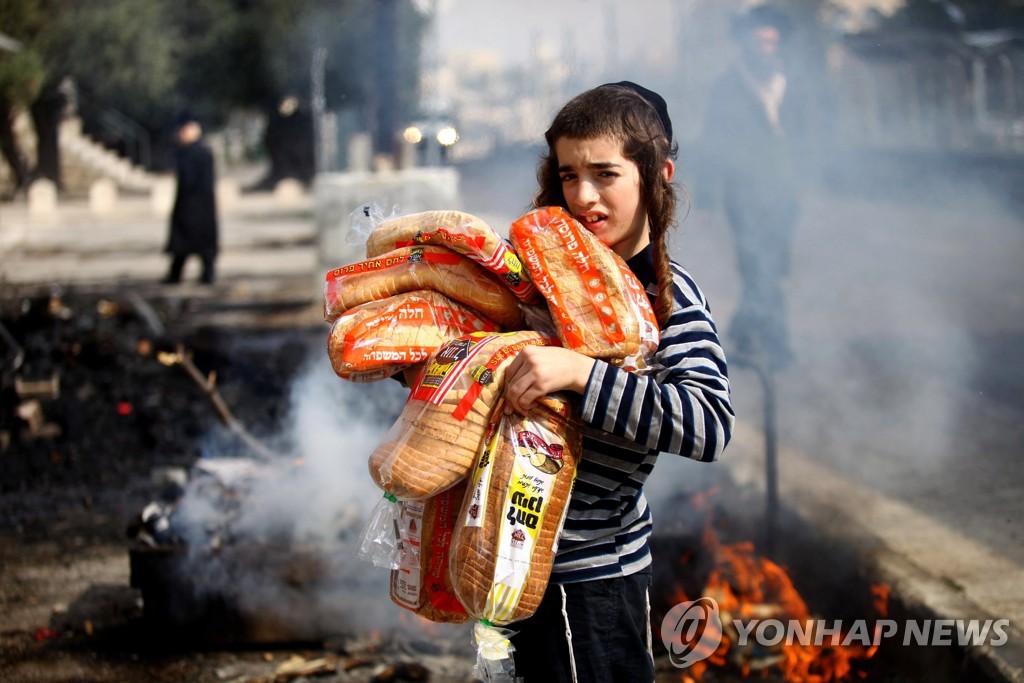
(680, 405)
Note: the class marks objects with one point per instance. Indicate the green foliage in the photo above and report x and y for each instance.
(150, 58)
(252, 53)
(119, 53)
(21, 77)
(22, 73)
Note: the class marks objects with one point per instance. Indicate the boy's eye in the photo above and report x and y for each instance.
(566, 177)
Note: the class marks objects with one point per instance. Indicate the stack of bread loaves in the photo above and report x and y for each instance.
(409, 296)
(479, 496)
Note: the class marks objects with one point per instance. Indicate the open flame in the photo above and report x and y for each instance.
(751, 589)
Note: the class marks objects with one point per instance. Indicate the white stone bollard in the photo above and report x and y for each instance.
(161, 196)
(289, 192)
(228, 194)
(103, 197)
(42, 198)
(337, 195)
(360, 152)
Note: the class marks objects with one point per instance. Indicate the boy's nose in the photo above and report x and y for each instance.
(587, 194)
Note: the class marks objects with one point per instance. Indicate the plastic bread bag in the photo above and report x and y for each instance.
(434, 442)
(599, 307)
(421, 582)
(420, 267)
(494, 662)
(362, 222)
(381, 338)
(379, 543)
(461, 232)
(506, 534)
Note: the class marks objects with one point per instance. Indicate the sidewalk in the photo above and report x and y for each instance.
(267, 250)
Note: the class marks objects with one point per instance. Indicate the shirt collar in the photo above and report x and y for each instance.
(642, 265)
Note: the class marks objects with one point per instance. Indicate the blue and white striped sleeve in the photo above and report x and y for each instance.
(683, 407)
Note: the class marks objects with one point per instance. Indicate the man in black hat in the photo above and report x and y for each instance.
(193, 228)
(748, 168)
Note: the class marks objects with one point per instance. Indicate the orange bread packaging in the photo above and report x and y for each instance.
(422, 581)
(380, 338)
(460, 232)
(435, 440)
(421, 267)
(506, 534)
(598, 306)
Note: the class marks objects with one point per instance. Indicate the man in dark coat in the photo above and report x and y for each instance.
(748, 167)
(193, 228)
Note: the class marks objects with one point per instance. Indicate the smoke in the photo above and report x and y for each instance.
(900, 305)
(277, 541)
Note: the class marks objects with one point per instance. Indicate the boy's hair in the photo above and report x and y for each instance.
(621, 113)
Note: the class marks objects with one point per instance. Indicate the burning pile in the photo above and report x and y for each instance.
(763, 623)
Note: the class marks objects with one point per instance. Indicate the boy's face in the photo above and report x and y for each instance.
(602, 191)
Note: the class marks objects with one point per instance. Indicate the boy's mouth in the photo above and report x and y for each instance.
(592, 219)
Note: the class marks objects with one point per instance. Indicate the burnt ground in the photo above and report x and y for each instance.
(77, 459)
(76, 472)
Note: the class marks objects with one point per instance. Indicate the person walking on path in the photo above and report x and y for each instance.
(193, 227)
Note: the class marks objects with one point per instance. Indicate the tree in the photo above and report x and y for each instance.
(150, 58)
(21, 77)
(120, 54)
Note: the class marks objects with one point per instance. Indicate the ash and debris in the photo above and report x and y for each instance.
(99, 441)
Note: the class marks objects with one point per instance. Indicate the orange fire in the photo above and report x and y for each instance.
(753, 589)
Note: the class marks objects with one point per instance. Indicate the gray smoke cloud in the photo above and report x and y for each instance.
(902, 297)
(277, 541)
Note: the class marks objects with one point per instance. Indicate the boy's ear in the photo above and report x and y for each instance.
(669, 170)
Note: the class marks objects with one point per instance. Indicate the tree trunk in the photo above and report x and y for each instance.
(47, 111)
(9, 146)
(386, 71)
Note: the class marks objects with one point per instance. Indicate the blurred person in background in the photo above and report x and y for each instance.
(747, 167)
(193, 228)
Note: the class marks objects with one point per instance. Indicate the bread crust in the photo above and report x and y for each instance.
(461, 232)
(598, 306)
(412, 268)
(506, 535)
(434, 442)
(381, 338)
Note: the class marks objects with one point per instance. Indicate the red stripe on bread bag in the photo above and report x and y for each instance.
(439, 592)
(503, 262)
(568, 230)
(484, 374)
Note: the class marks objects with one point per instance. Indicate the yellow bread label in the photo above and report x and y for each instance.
(537, 452)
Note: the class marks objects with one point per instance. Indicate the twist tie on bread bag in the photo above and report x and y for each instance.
(494, 663)
(380, 542)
